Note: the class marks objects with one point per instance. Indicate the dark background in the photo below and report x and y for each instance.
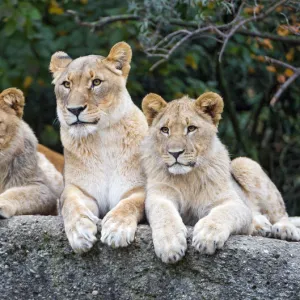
(31, 31)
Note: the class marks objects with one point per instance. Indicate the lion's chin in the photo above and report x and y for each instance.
(84, 130)
(178, 169)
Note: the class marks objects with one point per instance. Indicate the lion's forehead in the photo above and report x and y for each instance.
(180, 112)
(84, 63)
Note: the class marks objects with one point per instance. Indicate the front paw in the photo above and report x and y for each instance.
(118, 230)
(170, 242)
(7, 210)
(81, 232)
(261, 226)
(209, 236)
(286, 231)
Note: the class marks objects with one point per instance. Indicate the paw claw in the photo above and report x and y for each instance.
(170, 243)
(81, 233)
(286, 231)
(118, 231)
(207, 237)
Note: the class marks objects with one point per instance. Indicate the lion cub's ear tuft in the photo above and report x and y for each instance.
(14, 99)
(119, 58)
(152, 104)
(211, 104)
(59, 61)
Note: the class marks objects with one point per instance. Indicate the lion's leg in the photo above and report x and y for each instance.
(168, 230)
(80, 214)
(119, 225)
(264, 197)
(27, 200)
(231, 216)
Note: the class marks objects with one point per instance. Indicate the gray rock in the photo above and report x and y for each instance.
(36, 262)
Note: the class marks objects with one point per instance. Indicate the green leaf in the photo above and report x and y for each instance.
(10, 27)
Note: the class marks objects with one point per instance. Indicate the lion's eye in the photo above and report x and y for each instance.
(96, 82)
(165, 130)
(191, 128)
(66, 84)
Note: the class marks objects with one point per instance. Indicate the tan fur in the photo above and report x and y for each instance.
(197, 190)
(269, 213)
(55, 158)
(29, 183)
(102, 159)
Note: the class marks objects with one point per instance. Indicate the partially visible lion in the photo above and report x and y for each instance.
(101, 131)
(29, 183)
(55, 158)
(191, 181)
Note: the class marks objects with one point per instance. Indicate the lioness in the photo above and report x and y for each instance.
(29, 183)
(101, 131)
(191, 181)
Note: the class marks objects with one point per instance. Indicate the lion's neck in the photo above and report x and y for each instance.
(123, 108)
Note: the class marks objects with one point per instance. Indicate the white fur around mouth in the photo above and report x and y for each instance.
(177, 169)
(82, 130)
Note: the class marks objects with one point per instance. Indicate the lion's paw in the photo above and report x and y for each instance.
(261, 226)
(81, 233)
(118, 231)
(286, 231)
(208, 237)
(170, 243)
(7, 210)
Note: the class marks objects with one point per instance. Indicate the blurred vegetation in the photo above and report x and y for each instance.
(31, 31)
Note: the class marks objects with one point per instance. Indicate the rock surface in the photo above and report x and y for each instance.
(36, 262)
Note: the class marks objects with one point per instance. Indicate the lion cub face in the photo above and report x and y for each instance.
(183, 131)
(11, 111)
(88, 89)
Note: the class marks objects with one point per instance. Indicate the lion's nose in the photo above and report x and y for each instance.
(76, 110)
(176, 154)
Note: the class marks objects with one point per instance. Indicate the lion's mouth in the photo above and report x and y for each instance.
(190, 164)
(78, 122)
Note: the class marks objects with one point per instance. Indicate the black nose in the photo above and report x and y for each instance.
(176, 154)
(76, 110)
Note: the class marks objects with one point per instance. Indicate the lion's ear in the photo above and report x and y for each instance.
(119, 58)
(13, 98)
(59, 61)
(152, 104)
(211, 104)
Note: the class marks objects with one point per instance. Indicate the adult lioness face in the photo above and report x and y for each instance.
(90, 88)
(11, 111)
(183, 131)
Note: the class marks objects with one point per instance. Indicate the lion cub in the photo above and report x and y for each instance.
(101, 131)
(29, 183)
(190, 182)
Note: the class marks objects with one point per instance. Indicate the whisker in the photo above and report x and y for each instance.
(56, 121)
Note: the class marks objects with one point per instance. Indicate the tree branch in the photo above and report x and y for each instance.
(280, 63)
(103, 21)
(284, 87)
(270, 36)
(248, 20)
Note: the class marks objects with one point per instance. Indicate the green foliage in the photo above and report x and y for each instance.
(31, 31)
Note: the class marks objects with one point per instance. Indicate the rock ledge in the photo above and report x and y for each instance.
(36, 262)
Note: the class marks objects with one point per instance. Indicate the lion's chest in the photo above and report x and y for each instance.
(196, 203)
(101, 179)
(107, 176)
